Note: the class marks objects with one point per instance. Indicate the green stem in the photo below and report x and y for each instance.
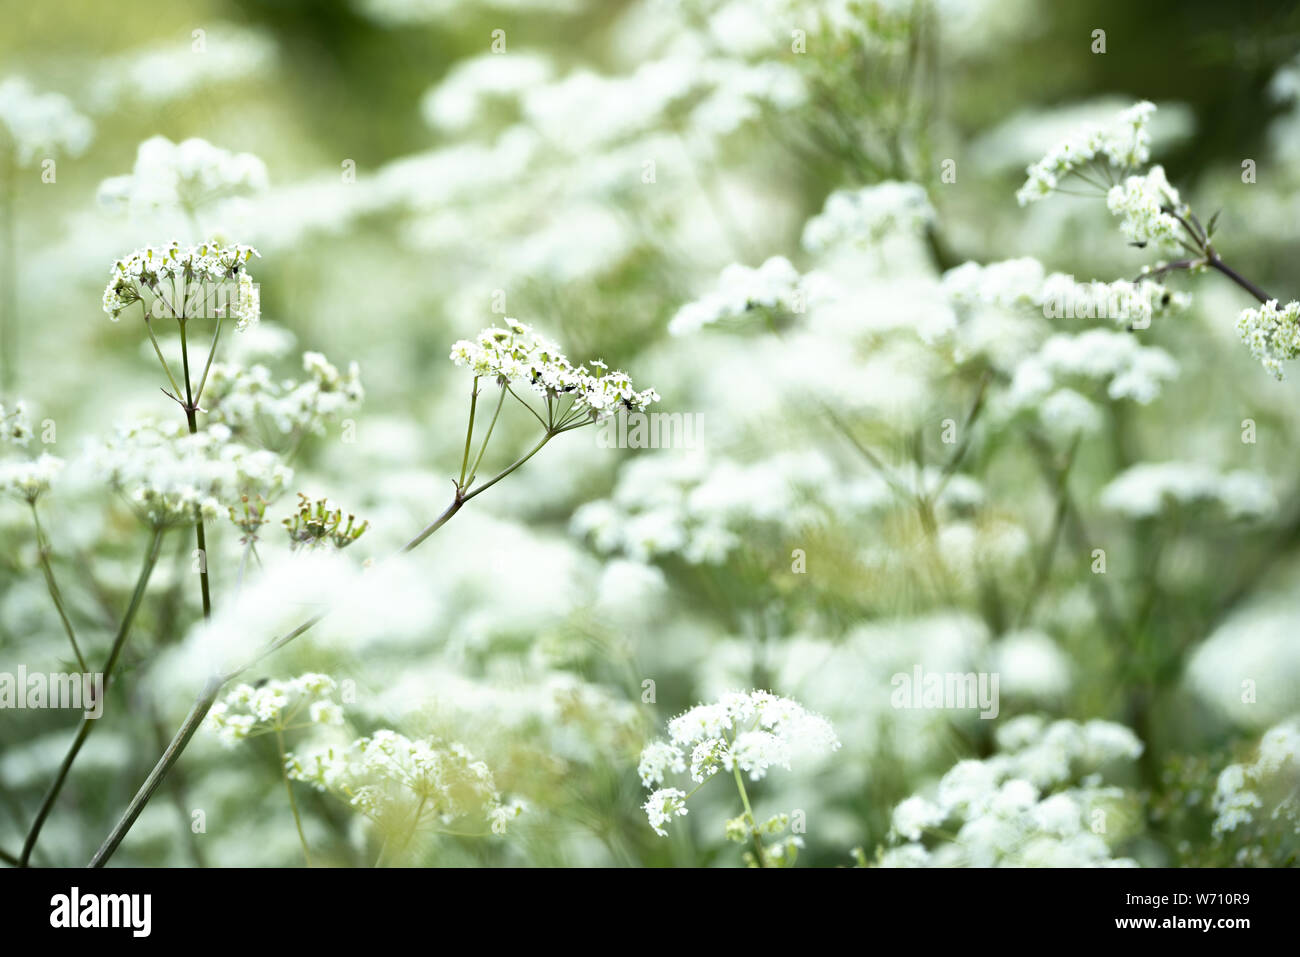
(288, 789)
(43, 551)
(83, 731)
(469, 431)
(200, 536)
(749, 813)
(487, 438)
(176, 390)
(203, 380)
(506, 471)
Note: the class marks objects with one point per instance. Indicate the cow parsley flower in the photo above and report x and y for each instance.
(1034, 803)
(172, 478)
(1124, 144)
(40, 125)
(387, 773)
(1023, 282)
(245, 398)
(775, 285)
(1257, 800)
(657, 760)
(865, 216)
(1272, 334)
(1143, 203)
(749, 732)
(1129, 369)
(274, 706)
(517, 354)
(29, 479)
(190, 175)
(181, 282)
(1146, 489)
(662, 806)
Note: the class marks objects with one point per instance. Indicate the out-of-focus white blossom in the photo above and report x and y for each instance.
(40, 126)
(221, 55)
(170, 477)
(29, 479)
(1144, 490)
(387, 772)
(775, 285)
(191, 175)
(1262, 793)
(862, 217)
(1034, 803)
(243, 397)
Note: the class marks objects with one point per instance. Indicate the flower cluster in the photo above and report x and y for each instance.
(317, 524)
(173, 478)
(1146, 489)
(865, 216)
(169, 279)
(29, 479)
(241, 396)
(274, 706)
(1272, 334)
(517, 354)
(1145, 204)
(1037, 802)
(694, 507)
(1129, 369)
(1124, 143)
(388, 771)
(749, 732)
(1253, 798)
(190, 174)
(1023, 282)
(40, 124)
(776, 285)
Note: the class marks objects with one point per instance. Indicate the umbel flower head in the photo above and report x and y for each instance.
(388, 773)
(274, 706)
(1124, 144)
(29, 479)
(317, 524)
(517, 354)
(1271, 333)
(748, 732)
(170, 478)
(205, 281)
(39, 125)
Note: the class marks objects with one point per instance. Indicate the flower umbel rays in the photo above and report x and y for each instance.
(574, 397)
(516, 354)
(749, 732)
(180, 282)
(1108, 159)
